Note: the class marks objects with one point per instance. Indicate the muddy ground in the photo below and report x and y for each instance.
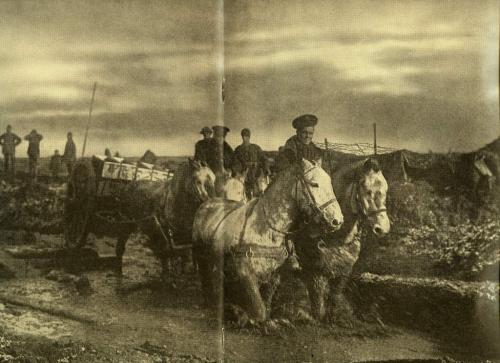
(97, 322)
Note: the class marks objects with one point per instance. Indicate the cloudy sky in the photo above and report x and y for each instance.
(425, 71)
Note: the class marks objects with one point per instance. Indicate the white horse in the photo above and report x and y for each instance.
(245, 243)
(234, 187)
(362, 190)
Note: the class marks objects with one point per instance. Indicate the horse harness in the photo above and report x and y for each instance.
(282, 251)
(355, 202)
(317, 210)
(252, 250)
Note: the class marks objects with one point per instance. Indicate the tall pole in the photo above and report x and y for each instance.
(375, 138)
(90, 117)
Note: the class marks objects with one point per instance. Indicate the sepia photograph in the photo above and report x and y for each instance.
(249, 181)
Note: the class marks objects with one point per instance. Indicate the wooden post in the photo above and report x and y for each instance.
(90, 116)
(375, 138)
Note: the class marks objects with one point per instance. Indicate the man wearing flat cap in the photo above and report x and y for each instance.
(201, 147)
(297, 147)
(251, 158)
(300, 145)
(219, 155)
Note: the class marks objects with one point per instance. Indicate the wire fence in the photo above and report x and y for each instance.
(356, 149)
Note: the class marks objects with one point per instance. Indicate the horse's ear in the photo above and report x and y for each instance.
(306, 164)
(371, 164)
(195, 164)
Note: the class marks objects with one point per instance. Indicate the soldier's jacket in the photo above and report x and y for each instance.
(34, 144)
(9, 141)
(69, 151)
(219, 157)
(250, 156)
(201, 150)
(294, 150)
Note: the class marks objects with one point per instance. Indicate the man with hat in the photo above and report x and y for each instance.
(201, 147)
(219, 155)
(33, 139)
(300, 145)
(297, 147)
(9, 141)
(249, 157)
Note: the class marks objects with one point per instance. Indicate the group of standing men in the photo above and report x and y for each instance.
(9, 141)
(219, 156)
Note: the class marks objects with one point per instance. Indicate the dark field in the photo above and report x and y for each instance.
(429, 291)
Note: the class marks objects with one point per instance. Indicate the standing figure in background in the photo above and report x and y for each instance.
(219, 153)
(220, 158)
(201, 148)
(55, 165)
(251, 158)
(33, 139)
(9, 141)
(69, 155)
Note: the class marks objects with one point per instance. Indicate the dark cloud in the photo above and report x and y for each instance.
(419, 70)
(435, 118)
(27, 105)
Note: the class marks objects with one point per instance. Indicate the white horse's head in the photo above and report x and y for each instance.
(261, 183)
(316, 198)
(201, 181)
(370, 200)
(234, 187)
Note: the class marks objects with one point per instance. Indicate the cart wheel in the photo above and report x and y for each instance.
(79, 205)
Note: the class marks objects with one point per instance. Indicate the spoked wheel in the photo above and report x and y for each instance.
(79, 206)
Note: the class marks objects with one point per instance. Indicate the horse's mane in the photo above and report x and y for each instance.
(283, 173)
(353, 170)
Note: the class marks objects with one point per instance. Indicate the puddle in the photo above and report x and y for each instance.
(21, 323)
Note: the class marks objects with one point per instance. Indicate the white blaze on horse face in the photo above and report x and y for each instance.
(262, 183)
(320, 186)
(373, 193)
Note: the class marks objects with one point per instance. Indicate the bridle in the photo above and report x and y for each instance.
(357, 206)
(311, 200)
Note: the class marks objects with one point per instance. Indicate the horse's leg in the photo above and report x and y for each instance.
(317, 287)
(268, 290)
(205, 268)
(340, 310)
(120, 251)
(250, 294)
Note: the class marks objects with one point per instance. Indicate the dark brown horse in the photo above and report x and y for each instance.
(154, 208)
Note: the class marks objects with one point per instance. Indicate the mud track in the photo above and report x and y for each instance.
(170, 324)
